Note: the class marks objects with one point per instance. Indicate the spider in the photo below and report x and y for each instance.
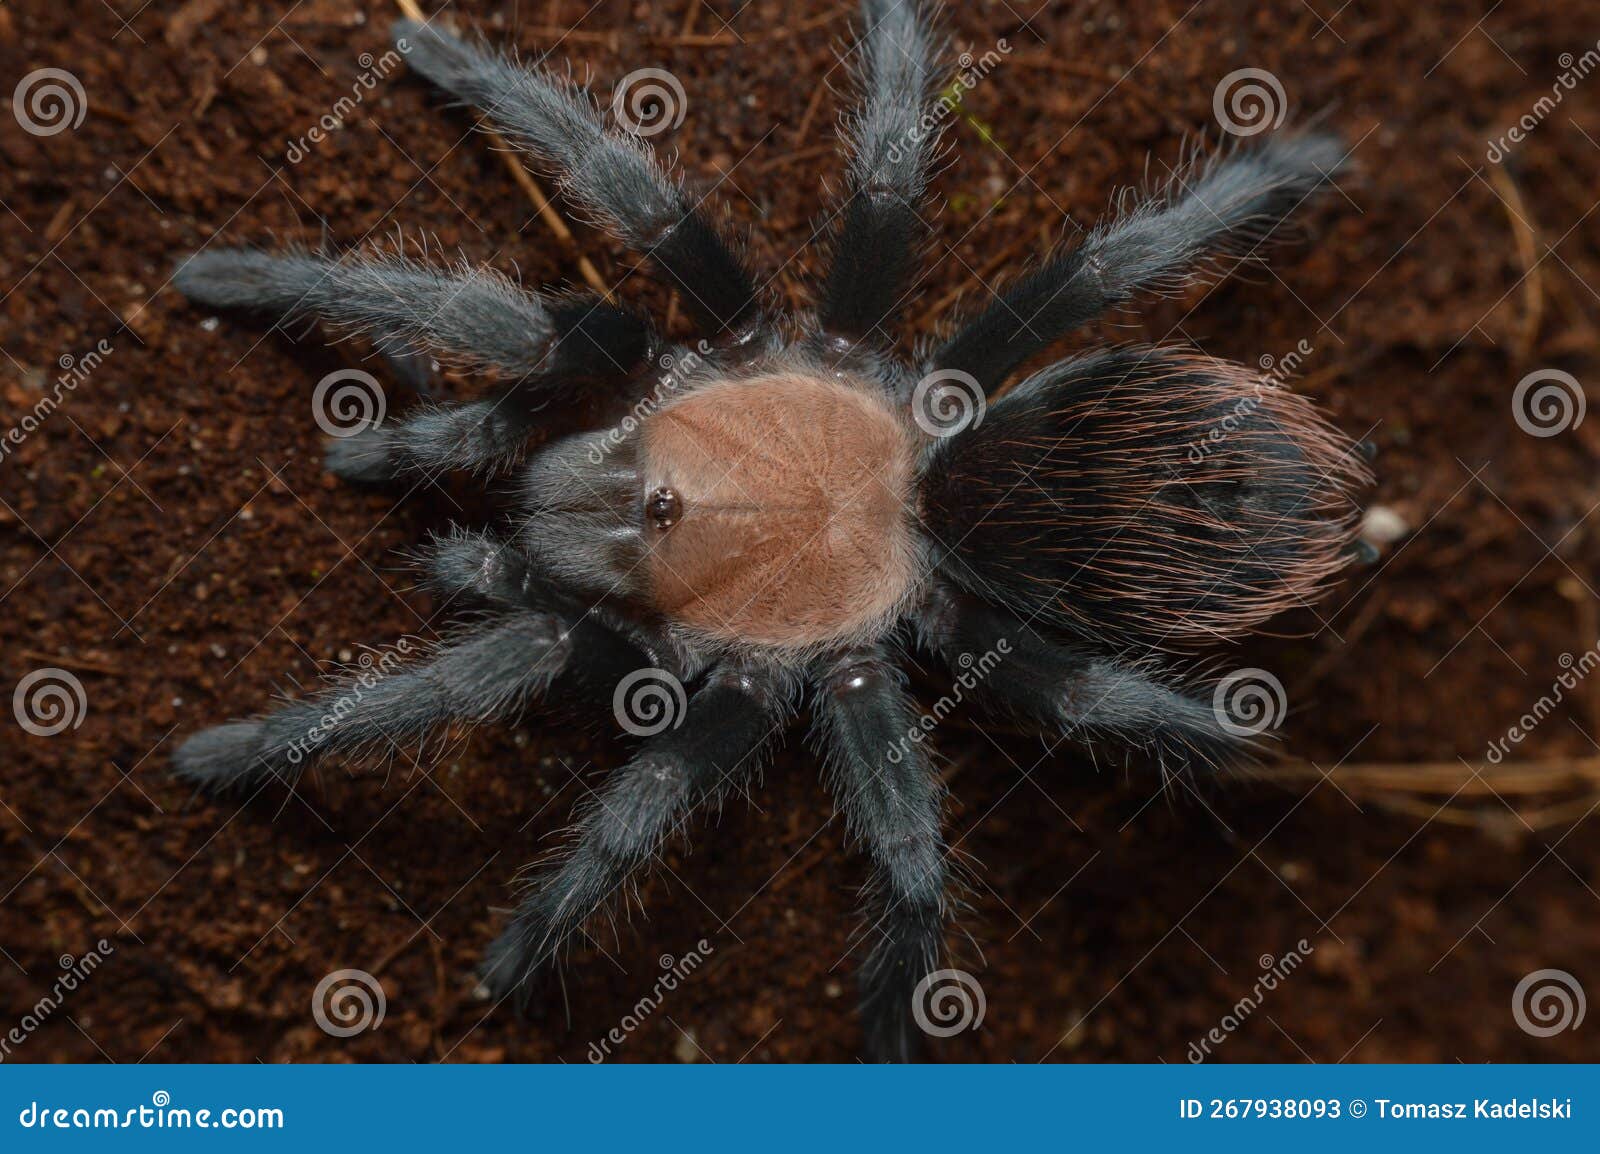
(790, 505)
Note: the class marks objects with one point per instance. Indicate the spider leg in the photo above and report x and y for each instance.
(1232, 202)
(716, 744)
(490, 673)
(478, 435)
(472, 565)
(890, 796)
(612, 174)
(467, 564)
(891, 151)
(1086, 695)
(550, 348)
(475, 317)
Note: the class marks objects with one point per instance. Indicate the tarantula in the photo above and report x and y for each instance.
(791, 502)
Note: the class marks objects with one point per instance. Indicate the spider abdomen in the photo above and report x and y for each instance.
(796, 494)
(1151, 496)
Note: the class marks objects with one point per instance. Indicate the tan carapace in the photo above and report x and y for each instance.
(785, 508)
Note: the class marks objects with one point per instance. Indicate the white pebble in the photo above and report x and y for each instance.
(1382, 525)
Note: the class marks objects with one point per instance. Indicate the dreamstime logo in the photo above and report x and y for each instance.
(373, 70)
(347, 402)
(974, 671)
(677, 367)
(1275, 371)
(1574, 670)
(948, 103)
(649, 101)
(75, 370)
(947, 402)
(948, 1002)
(1274, 972)
(1573, 69)
(48, 701)
(648, 701)
(348, 1002)
(49, 101)
(74, 973)
(1248, 702)
(1248, 101)
(674, 972)
(1547, 402)
(1546, 1002)
(370, 668)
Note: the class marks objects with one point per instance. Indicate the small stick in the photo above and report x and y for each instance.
(1526, 236)
(810, 114)
(83, 663)
(528, 184)
(1449, 778)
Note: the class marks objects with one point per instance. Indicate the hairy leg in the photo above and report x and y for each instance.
(891, 151)
(611, 174)
(1228, 204)
(487, 675)
(475, 436)
(549, 348)
(890, 797)
(717, 744)
(475, 317)
(1087, 696)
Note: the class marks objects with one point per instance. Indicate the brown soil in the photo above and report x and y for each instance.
(169, 536)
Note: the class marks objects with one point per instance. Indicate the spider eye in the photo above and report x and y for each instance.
(664, 508)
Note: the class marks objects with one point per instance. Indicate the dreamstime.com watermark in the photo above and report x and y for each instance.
(74, 371)
(1274, 971)
(676, 369)
(75, 971)
(1248, 702)
(1547, 1002)
(675, 970)
(160, 1114)
(974, 672)
(49, 701)
(1275, 371)
(1248, 101)
(649, 701)
(947, 1003)
(374, 70)
(1573, 69)
(1576, 669)
(947, 402)
(1547, 402)
(348, 402)
(973, 71)
(370, 668)
(49, 101)
(649, 101)
(348, 1002)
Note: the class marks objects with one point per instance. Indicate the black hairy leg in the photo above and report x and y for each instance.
(596, 346)
(473, 317)
(1225, 205)
(884, 783)
(1092, 698)
(488, 675)
(609, 173)
(730, 724)
(891, 151)
(547, 348)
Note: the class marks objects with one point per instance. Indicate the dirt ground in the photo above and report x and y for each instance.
(169, 537)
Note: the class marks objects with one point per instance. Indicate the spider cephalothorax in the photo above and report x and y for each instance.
(786, 502)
